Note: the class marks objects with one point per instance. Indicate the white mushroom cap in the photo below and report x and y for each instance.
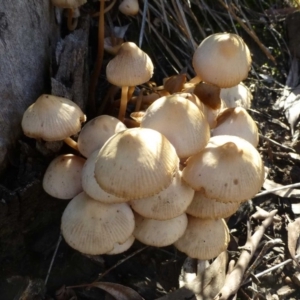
(169, 203)
(96, 132)
(120, 248)
(52, 118)
(62, 178)
(136, 163)
(159, 233)
(129, 7)
(94, 228)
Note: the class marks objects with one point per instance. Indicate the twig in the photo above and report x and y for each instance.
(293, 185)
(145, 9)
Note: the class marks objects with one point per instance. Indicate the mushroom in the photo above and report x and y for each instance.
(204, 238)
(136, 163)
(122, 247)
(222, 59)
(167, 204)
(53, 118)
(94, 228)
(180, 120)
(159, 233)
(130, 67)
(96, 132)
(62, 178)
(129, 7)
(229, 169)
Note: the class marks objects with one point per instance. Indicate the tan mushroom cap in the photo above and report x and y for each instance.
(62, 178)
(96, 132)
(136, 163)
(236, 121)
(68, 3)
(207, 208)
(169, 203)
(229, 169)
(90, 185)
(94, 228)
(204, 238)
(222, 59)
(130, 67)
(129, 7)
(159, 233)
(180, 121)
(120, 248)
(52, 118)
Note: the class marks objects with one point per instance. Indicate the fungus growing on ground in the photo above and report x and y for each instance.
(129, 7)
(130, 67)
(222, 59)
(180, 121)
(94, 228)
(136, 163)
(229, 169)
(53, 118)
(62, 178)
(96, 132)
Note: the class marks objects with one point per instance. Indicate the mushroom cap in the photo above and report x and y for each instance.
(130, 67)
(222, 59)
(180, 121)
(236, 121)
(62, 178)
(129, 7)
(167, 204)
(90, 185)
(68, 3)
(94, 228)
(52, 118)
(229, 169)
(159, 233)
(120, 248)
(204, 238)
(207, 208)
(96, 132)
(136, 163)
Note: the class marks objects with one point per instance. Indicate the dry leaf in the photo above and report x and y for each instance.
(293, 229)
(291, 192)
(118, 291)
(65, 294)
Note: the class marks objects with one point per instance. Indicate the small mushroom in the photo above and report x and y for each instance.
(129, 7)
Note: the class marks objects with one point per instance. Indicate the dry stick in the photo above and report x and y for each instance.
(249, 31)
(145, 9)
(293, 185)
(235, 277)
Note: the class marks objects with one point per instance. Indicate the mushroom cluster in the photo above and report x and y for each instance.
(172, 179)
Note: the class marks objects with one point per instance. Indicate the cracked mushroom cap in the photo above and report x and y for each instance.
(229, 169)
(207, 208)
(93, 228)
(68, 3)
(236, 121)
(159, 233)
(169, 203)
(62, 178)
(180, 121)
(120, 248)
(96, 132)
(136, 163)
(222, 59)
(204, 238)
(130, 67)
(52, 118)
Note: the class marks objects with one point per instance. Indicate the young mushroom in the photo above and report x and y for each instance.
(129, 7)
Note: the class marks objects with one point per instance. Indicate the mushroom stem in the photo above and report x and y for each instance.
(70, 142)
(123, 105)
(72, 22)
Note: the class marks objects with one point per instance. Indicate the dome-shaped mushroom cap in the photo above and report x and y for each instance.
(159, 233)
(180, 121)
(167, 204)
(222, 59)
(120, 248)
(90, 185)
(68, 3)
(92, 227)
(129, 7)
(52, 118)
(96, 132)
(207, 208)
(130, 67)
(62, 178)
(236, 121)
(136, 163)
(204, 239)
(229, 169)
